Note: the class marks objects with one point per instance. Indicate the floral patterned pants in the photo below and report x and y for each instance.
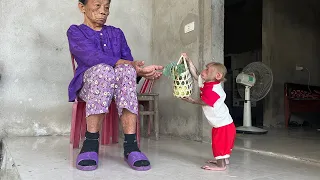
(102, 83)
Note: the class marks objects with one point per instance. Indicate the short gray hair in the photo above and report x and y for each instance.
(84, 2)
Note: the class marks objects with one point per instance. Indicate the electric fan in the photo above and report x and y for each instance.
(254, 83)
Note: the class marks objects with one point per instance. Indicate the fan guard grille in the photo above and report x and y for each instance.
(264, 80)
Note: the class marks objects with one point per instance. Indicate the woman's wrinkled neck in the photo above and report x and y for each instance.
(94, 26)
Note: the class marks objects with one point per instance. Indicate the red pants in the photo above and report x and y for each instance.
(223, 141)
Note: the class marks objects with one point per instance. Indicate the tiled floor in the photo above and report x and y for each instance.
(292, 143)
(50, 158)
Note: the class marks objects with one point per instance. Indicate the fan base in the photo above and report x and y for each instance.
(251, 130)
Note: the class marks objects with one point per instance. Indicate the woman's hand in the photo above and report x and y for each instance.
(137, 65)
(150, 72)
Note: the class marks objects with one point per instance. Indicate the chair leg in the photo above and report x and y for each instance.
(138, 130)
(156, 117)
(151, 117)
(83, 124)
(105, 138)
(110, 127)
(115, 124)
(149, 127)
(287, 113)
(287, 119)
(115, 131)
(102, 137)
(73, 121)
(77, 130)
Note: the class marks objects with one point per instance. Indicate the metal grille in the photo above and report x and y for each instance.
(264, 80)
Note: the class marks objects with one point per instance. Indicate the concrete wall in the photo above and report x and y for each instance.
(169, 18)
(134, 17)
(35, 62)
(290, 36)
(213, 45)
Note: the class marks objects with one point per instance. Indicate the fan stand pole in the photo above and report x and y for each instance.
(247, 108)
(247, 127)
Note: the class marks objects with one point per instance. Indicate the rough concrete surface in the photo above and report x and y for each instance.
(177, 117)
(8, 169)
(290, 37)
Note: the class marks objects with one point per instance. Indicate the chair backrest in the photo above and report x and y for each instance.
(73, 63)
(147, 86)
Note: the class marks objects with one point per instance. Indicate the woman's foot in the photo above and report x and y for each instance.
(134, 157)
(88, 157)
(138, 163)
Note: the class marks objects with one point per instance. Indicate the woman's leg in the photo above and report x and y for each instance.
(127, 102)
(94, 122)
(98, 92)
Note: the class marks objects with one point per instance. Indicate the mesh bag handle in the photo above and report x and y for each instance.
(183, 82)
(183, 60)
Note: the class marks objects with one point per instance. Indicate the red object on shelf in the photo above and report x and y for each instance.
(300, 98)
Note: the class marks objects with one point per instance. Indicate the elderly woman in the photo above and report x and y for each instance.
(106, 70)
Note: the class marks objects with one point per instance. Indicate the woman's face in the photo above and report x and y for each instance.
(96, 11)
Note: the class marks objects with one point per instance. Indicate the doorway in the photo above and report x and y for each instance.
(242, 45)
